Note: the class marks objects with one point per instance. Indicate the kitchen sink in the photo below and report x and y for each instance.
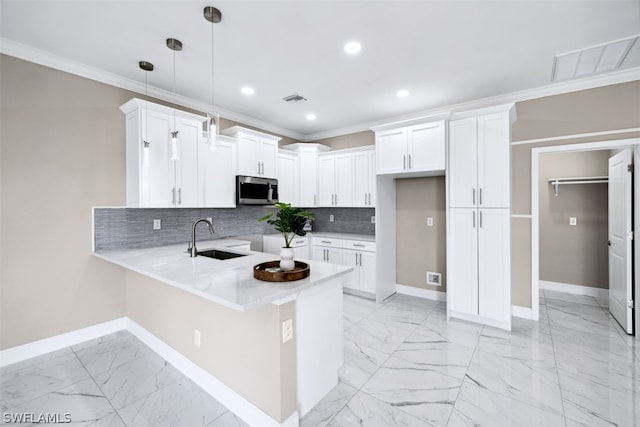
(218, 254)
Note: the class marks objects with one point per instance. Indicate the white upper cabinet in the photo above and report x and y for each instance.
(479, 161)
(308, 171)
(257, 152)
(416, 149)
(288, 183)
(364, 178)
(335, 179)
(155, 177)
(218, 172)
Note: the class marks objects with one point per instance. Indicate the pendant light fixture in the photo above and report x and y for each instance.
(147, 67)
(214, 16)
(175, 45)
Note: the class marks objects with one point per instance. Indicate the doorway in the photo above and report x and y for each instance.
(634, 144)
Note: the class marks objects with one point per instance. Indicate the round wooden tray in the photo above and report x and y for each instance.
(266, 271)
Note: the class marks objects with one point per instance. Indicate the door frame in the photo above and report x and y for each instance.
(633, 143)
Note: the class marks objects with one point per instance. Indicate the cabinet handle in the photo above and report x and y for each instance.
(356, 254)
(360, 260)
(474, 197)
(480, 199)
(258, 168)
(336, 199)
(179, 196)
(173, 196)
(324, 241)
(404, 161)
(409, 161)
(474, 219)
(262, 166)
(358, 245)
(365, 199)
(480, 219)
(327, 254)
(314, 200)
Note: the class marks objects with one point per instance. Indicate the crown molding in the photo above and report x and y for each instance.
(622, 76)
(28, 53)
(41, 57)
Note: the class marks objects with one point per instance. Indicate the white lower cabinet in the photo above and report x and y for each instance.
(363, 261)
(272, 243)
(478, 265)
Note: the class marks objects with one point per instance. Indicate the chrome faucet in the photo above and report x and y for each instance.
(192, 245)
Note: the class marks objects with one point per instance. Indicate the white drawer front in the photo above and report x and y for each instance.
(327, 242)
(300, 241)
(360, 245)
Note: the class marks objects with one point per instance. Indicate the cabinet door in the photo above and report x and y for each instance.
(287, 178)
(372, 179)
(494, 272)
(186, 168)
(318, 253)
(391, 151)
(367, 271)
(493, 161)
(334, 256)
(361, 178)
(218, 175)
(308, 177)
(462, 265)
(301, 252)
(463, 166)
(268, 158)
(426, 150)
(326, 180)
(248, 149)
(344, 180)
(157, 178)
(351, 259)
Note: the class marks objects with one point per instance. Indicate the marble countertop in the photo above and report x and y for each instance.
(226, 282)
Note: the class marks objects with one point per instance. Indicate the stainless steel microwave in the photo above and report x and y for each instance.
(253, 190)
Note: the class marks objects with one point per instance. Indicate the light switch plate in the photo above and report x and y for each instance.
(373, 219)
(573, 220)
(429, 222)
(196, 338)
(157, 224)
(330, 218)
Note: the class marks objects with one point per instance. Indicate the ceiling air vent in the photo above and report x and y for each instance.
(295, 98)
(592, 60)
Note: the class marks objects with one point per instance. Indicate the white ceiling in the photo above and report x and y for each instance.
(442, 52)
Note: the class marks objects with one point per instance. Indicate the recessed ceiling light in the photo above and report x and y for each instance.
(352, 47)
(403, 93)
(311, 116)
(247, 90)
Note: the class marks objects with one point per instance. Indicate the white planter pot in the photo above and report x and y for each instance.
(286, 259)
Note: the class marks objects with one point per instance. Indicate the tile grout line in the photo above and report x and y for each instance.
(555, 361)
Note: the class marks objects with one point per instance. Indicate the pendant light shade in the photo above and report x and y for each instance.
(147, 67)
(175, 45)
(214, 16)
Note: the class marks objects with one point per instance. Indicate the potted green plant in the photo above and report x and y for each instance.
(289, 221)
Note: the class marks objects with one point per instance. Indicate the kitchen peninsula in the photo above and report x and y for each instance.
(234, 327)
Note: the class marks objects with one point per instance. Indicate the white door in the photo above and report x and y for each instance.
(367, 261)
(308, 177)
(158, 183)
(361, 178)
(268, 159)
(620, 228)
(344, 180)
(462, 266)
(189, 134)
(426, 150)
(248, 164)
(391, 151)
(351, 259)
(463, 163)
(287, 178)
(493, 161)
(326, 180)
(218, 175)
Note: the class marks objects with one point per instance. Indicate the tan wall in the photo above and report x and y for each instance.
(420, 248)
(358, 139)
(243, 350)
(62, 143)
(594, 110)
(577, 254)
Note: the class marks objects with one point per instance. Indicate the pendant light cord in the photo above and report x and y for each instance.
(174, 91)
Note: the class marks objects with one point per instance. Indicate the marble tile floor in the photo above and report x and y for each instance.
(405, 365)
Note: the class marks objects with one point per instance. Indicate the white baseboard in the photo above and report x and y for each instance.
(421, 293)
(249, 413)
(574, 289)
(47, 345)
(522, 312)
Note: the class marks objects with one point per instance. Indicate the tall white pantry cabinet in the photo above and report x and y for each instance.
(479, 217)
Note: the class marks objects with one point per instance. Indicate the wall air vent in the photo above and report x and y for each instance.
(295, 98)
(593, 60)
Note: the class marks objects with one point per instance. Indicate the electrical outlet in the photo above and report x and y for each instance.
(573, 220)
(434, 279)
(287, 330)
(330, 218)
(373, 219)
(196, 338)
(429, 222)
(157, 224)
